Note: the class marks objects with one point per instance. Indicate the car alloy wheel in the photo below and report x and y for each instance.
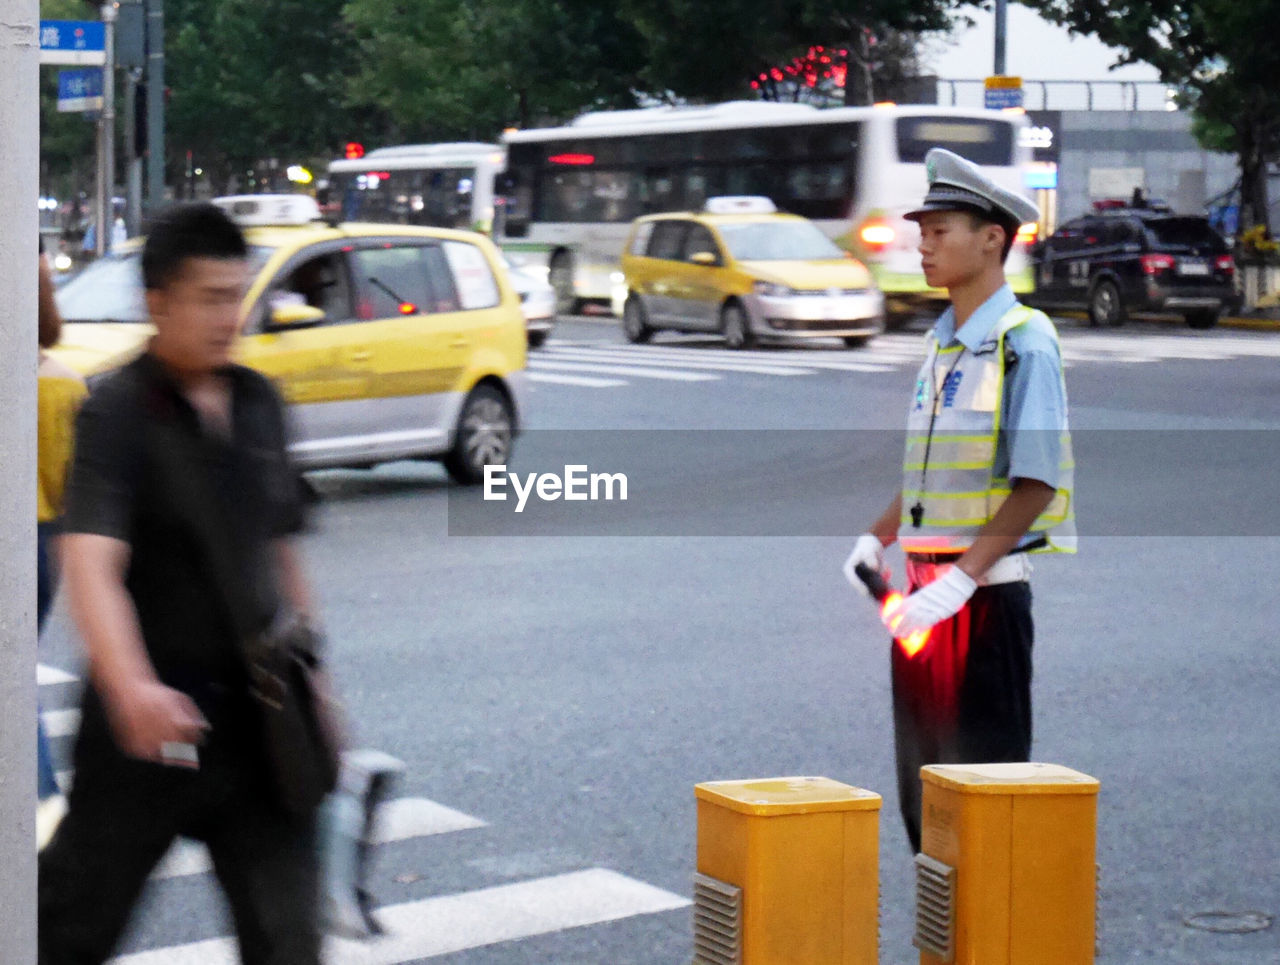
(634, 325)
(483, 437)
(737, 331)
(1105, 306)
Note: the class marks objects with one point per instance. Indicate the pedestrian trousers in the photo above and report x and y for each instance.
(965, 698)
(123, 815)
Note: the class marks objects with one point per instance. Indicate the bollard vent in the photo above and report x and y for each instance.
(935, 908)
(717, 922)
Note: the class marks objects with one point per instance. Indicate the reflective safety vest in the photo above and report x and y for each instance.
(949, 470)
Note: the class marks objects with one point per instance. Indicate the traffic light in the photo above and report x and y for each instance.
(354, 151)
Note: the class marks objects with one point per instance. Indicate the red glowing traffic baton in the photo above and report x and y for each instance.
(888, 597)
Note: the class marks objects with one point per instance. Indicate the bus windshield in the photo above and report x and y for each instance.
(777, 241)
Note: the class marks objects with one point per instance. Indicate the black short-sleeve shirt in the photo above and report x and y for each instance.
(116, 488)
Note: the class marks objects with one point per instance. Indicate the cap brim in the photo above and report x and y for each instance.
(931, 206)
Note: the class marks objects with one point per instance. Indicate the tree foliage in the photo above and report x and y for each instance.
(720, 48)
(292, 80)
(1221, 57)
(443, 69)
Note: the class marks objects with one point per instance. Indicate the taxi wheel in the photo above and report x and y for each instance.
(1105, 306)
(483, 436)
(736, 328)
(635, 324)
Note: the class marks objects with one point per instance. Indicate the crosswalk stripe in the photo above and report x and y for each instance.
(472, 919)
(400, 819)
(863, 360)
(684, 360)
(397, 820)
(46, 675)
(416, 817)
(60, 723)
(583, 380)
(636, 371)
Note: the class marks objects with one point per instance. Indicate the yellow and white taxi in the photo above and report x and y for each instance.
(741, 268)
(387, 342)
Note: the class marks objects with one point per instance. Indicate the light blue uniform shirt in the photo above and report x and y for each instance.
(1034, 411)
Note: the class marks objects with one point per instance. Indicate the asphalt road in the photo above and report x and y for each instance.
(567, 677)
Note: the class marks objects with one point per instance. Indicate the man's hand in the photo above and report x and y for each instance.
(941, 599)
(144, 716)
(870, 551)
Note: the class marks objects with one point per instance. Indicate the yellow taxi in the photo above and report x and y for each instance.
(387, 342)
(741, 268)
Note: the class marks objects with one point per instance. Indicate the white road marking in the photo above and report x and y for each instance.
(415, 817)
(46, 675)
(634, 371)
(60, 723)
(472, 919)
(582, 380)
(397, 820)
(682, 360)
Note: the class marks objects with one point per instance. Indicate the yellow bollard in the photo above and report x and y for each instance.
(1007, 873)
(788, 873)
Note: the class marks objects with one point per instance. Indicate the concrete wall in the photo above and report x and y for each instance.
(1160, 143)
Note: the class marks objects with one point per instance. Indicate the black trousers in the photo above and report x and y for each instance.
(965, 698)
(122, 816)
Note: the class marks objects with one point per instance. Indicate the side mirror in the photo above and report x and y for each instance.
(704, 258)
(296, 316)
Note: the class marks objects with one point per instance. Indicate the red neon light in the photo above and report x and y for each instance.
(578, 159)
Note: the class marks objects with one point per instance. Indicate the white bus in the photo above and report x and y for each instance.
(571, 192)
(439, 185)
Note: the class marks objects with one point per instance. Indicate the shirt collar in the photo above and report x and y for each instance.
(976, 330)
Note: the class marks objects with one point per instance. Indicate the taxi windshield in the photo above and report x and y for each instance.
(110, 289)
(782, 240)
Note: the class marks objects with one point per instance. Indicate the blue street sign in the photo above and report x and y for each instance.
(72, 42)
(80, 90)
(1001, 97)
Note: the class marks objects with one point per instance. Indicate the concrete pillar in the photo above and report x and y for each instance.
(19, 228)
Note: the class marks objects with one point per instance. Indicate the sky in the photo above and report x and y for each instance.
(1035, 50)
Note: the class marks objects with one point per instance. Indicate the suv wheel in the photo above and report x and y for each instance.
(736, 328)
(1206, 318)
(635, 321)
(483, 436)
(1105, 306)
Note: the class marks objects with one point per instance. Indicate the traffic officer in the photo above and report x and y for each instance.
(987, 481)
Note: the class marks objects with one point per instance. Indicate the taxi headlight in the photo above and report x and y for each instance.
(771, 290)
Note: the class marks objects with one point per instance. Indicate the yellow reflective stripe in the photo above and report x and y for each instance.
(919, 466)
(973, 437)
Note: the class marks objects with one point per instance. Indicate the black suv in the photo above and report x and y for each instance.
(1124, 260)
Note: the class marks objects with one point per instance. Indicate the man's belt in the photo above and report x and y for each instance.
(922, 571)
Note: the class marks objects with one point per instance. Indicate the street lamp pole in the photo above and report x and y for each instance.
(19, 226)
(1002, 32)
(155, 107)
(107, 136)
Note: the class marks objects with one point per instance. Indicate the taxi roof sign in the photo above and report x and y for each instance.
(263, 210)
(740, 204)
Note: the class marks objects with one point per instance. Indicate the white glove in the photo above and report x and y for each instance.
(941, 599)
(867, 550)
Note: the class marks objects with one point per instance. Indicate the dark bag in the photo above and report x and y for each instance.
(299, 718)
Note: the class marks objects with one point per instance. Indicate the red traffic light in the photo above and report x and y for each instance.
(354, 151)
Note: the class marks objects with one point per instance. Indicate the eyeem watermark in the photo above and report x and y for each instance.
(577, 484)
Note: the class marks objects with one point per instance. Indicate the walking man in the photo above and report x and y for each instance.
(169, 742)
(987, 481)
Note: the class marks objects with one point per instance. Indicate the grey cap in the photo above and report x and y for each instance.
(956, 184)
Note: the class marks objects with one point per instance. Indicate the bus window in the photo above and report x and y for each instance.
(982, 141)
